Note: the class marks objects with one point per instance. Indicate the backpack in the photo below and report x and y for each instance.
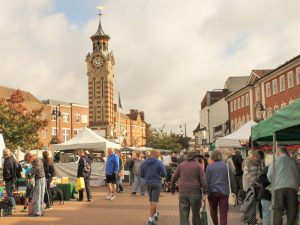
(86, 167)
(18, 170)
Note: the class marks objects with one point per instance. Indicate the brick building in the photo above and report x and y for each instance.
(265, 92)
(65, 120)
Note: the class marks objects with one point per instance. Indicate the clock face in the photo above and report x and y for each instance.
(98, 61)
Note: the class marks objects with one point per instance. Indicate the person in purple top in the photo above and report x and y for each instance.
(192, 182)
(218, 187)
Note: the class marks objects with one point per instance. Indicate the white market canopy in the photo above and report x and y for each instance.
(2, 147)
(86, 139)
(233, 140)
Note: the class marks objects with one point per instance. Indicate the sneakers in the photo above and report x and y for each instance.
(133, 193)
(151, 222)
(24, 210)
(48, 207)
(112, 197)
(108, 197)
(156, 216)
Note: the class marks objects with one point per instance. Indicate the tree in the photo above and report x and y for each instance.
(20, 127)
(169, 141)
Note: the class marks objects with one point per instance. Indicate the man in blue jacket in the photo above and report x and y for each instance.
(152, 170)
(112, 169)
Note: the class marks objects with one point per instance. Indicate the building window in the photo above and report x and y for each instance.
(234, 105)
(44, 133)
(298, 75)
(269, 113)
(275, 87)
(283, 105)
(276, 107)
(291, 101)
(242, 101)
(238, 103)
(66, 117)
(77, 118)
(76, 131)
(257, 94)
(66, 134)
(268, 89)
(247, 99)
(282, 83)
(290, 79)
(231, 106)
(53, 131)
(248, 117)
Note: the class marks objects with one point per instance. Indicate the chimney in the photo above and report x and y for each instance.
(142, 115)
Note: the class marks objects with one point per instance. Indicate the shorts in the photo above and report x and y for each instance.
(111, 179)
(153, 192)
(29, 190)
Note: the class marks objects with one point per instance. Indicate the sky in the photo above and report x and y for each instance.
(168, 53)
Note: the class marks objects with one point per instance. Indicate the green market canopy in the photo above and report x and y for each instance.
(285, 123)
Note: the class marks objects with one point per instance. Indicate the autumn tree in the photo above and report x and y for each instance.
(160, 139)
(20, 127)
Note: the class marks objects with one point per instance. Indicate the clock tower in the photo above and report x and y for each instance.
(100, 65)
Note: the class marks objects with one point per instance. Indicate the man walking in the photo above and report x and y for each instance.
(9, 175)
(152, 170)
(238, 162)
(286, 184)
(112, 169)
(192, 181)
(84, 170)
(138, 184)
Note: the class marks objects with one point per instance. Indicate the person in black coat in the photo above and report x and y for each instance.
(84, 170)
(238, 162)
(49, 174)
(9, 175)
(264, 196)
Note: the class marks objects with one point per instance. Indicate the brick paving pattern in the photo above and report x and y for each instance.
(124, 210)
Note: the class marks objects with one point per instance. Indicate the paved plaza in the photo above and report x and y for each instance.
(124, 210)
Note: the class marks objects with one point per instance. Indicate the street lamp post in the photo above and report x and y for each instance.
(56, 112)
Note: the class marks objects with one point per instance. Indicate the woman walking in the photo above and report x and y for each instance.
(38, 173)
(218, 187)
(49, 174)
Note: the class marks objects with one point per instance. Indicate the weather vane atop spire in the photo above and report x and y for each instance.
(100, 8)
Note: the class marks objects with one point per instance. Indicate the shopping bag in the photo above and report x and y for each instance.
(232, 199)
(205, 217)
(80, 184)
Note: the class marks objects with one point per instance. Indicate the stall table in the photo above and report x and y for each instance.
(68, 190)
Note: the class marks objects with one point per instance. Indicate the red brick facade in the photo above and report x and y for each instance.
(268, 90)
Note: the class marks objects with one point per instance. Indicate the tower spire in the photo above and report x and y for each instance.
(100, 35)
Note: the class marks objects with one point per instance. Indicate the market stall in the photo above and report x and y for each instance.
(282, 128)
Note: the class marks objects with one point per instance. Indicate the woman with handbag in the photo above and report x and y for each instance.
(217, 175)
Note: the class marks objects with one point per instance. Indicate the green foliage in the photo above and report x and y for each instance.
(20, 127)
(170, 141)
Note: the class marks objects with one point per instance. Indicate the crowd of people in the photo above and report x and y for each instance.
(202, 181)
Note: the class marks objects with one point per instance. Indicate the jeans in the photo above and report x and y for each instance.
(266, 211)
(218, 200)
(87, 189)
(138, 185)
(187, 202)
(286, 200)
(9, 186)
(240, 193)
(38, 196)
(48, 197)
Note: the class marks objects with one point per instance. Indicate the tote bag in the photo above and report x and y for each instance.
(205, 217)
(232, 196)
(80, 184)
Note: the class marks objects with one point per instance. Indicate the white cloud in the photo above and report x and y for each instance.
(168, 53)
